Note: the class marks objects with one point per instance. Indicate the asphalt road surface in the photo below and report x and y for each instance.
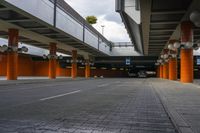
(117, 105)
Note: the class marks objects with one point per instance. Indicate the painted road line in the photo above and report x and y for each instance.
(102, 85)
(61, 95)
(107, 84)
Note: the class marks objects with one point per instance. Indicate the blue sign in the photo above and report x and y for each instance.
(128, 61)
(198, 60)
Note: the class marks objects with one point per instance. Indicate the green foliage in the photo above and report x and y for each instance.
(91, 19)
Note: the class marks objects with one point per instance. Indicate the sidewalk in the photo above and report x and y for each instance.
(182, 102)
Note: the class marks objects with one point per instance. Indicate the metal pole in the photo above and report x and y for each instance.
(83, 32)
(102, 29)
(54, 19)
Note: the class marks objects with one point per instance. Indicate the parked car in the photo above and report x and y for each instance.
(132, 73)
(142, 74)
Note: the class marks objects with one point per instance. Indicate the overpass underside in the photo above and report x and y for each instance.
(169, 30)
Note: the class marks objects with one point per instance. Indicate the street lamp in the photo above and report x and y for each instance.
(102, 26)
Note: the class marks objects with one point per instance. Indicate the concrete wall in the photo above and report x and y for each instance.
(28, 67)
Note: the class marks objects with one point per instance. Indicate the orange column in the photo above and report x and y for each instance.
(161, 71)
(87, 69)
(186, 54)
(52, 61)
(173, 69)
(12, 57)
(158, 71)
(165, 71)
(187, 65)
(74, 64)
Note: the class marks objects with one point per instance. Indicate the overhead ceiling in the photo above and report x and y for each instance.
(160, 19)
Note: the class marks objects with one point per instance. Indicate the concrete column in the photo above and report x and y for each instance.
(74, 64)
(158, 71)
(173, 69)
(161, 71)
(186, 54)
(165, 71)
(12, 56)
(52, 61)
(187, 65)
(87, 68)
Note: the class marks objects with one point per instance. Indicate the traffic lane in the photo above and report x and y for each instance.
(126, 106)
(84, 94)
(25, 94)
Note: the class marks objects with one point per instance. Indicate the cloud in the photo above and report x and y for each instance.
(113, 17)
(112, 31)
(104, 10)
(92, 7)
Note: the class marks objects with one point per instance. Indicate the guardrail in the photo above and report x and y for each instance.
(90, 35)
(63, 17)
(123, 44)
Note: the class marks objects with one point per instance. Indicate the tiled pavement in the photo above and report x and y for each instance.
(182, 102)
(104, 105)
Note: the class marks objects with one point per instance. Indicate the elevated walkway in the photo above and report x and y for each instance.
(43, 21)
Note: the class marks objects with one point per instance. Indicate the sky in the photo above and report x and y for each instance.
(104, 10)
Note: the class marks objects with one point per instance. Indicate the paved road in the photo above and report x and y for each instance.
(83, 106)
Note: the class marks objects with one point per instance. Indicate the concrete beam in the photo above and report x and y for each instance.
(145, 18)
(37, 37)
(166, 22)
(168, 12)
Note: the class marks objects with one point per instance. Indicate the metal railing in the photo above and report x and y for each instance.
(61, 4)
(123, 44)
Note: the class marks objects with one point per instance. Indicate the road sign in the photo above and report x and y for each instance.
(128, 61)
(198, 60)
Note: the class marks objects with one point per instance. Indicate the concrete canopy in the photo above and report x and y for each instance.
(160, 22)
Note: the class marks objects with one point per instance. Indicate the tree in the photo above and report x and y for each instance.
(91, 19)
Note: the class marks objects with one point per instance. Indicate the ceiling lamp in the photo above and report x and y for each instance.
(177, 45)
(24, 49)
(166, 60)
(170, 46)
(173, 55)
(4, 48)
(165, 56)
(188, 45)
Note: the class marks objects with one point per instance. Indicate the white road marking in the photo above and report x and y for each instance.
(102, 85)
(107, 84)
(61, 95)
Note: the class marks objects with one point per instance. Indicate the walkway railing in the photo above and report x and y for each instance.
(123, 44)
(59, 14)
